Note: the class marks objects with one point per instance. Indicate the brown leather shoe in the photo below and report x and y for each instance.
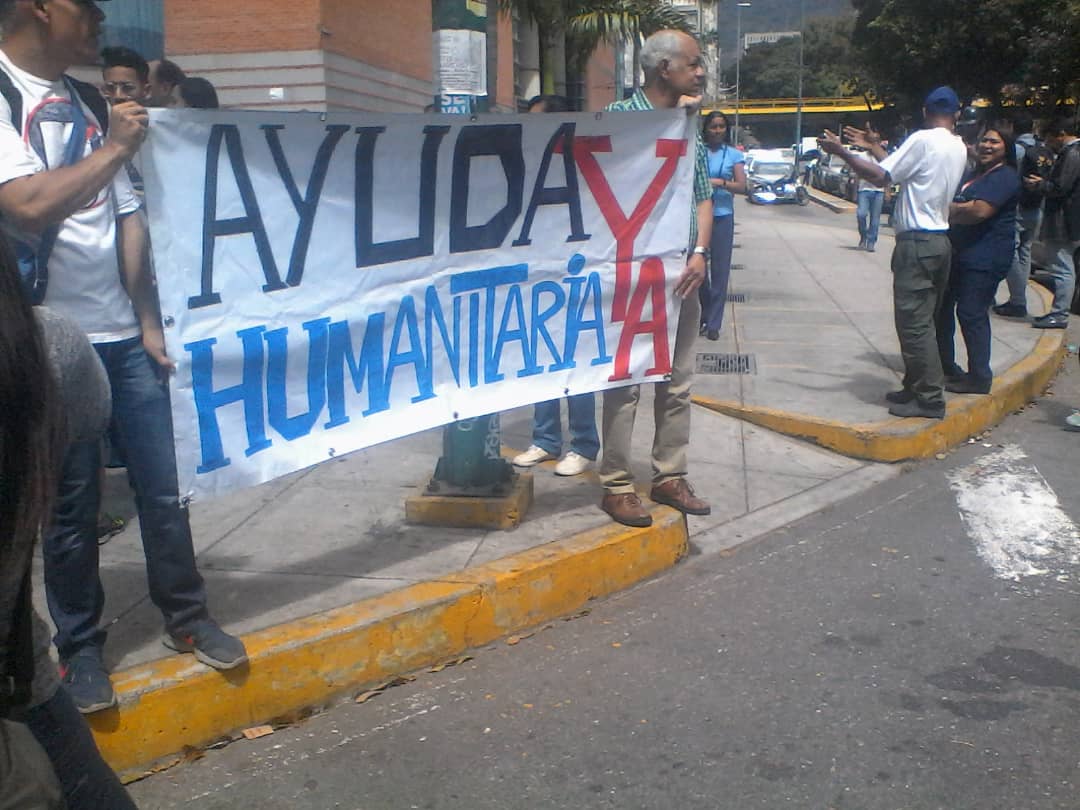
(679, 494)
(626, 508)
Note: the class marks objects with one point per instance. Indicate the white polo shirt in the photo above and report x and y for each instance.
(928, 166)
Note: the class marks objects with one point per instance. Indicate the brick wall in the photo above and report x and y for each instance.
(392, 36)
(214, 26)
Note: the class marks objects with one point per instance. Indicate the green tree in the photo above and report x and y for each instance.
(977, 46)
(550, 18)
(829, 69)
(625, 21)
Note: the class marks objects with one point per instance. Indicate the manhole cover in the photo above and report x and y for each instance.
(717, 363)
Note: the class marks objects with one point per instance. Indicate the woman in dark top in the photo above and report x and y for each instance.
(982, 229)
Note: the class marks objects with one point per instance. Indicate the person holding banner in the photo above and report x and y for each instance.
(580, 408)
(65, 186)
(674, 77)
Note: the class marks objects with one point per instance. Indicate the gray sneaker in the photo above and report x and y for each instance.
(210, 644)
(1072, 422)
(87, 681)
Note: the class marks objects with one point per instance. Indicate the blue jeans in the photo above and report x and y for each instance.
(547, 426)
(868, 213)
(1063, 272)
(87, 781)
(1027, 225)
(143, 427)
(713, 294)
(968, 298)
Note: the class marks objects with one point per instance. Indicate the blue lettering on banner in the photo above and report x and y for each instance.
(420, 334)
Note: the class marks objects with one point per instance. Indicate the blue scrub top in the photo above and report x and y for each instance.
(722, 166)
(988, 245)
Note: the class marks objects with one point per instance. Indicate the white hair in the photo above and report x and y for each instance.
(661, 46)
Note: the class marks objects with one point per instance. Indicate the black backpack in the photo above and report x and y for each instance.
(1037, 159)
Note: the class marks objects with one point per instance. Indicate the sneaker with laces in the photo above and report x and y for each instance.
(87, 681)
(572, 464)
(210, 644)
(533, 456)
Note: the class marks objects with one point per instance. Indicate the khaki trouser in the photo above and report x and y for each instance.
(920, 266)
(671, 412)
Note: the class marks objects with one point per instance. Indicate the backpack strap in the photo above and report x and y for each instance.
(93, 99)
(89, 94)
(13, 98)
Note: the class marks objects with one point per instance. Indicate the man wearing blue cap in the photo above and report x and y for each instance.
(928, 166)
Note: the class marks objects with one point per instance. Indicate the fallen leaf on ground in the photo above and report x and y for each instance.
(255, 732)
(364, 697)
(518, 638)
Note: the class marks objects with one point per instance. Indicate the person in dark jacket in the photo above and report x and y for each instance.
(1061, 217)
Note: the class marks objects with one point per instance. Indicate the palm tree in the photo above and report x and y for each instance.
(550, 18)
(620, 21)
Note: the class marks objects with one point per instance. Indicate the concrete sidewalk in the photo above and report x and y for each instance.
(333, 591)
(814, 317)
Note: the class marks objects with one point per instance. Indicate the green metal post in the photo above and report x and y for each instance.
(471, 463)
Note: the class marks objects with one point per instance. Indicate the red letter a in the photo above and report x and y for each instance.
(650, 284)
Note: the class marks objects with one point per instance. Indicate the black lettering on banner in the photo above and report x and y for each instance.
(503, 141)
(307, 205)
(368, 251)
(213, 227)
(556, 195)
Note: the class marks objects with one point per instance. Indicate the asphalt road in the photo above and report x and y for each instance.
(867, 657)
(887, 653)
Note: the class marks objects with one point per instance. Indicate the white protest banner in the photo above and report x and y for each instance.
(329, 282)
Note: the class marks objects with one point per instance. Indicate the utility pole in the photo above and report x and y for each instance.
(473, 485)
(798, 108)
(738, 57)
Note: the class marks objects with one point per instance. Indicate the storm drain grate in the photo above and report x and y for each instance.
(715, 363)
(736, 298)
(738, 266)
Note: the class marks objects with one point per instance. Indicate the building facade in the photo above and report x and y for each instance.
(320, 55)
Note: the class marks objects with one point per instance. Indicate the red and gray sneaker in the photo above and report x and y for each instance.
(87, 681)
(210, 644)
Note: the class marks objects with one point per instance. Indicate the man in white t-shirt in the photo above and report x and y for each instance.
(928, 166)
(99, 276)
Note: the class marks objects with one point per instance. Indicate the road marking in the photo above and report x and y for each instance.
(1014, 517)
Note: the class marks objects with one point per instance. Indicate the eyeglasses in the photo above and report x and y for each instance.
(120, 89)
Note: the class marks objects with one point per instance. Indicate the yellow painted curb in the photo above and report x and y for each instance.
(902, 439)
(505, 512)
(175, 704)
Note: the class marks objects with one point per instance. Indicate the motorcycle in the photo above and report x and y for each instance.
(788, 189)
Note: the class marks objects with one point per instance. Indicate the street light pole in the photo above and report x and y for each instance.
(798, 108)
(738, 56)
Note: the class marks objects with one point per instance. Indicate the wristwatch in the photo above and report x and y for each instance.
(701, 250)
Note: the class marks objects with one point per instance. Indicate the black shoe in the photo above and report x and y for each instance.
(713, 334)
(211, 645)
(87, 681)
(913, 408)
(702, 330)
(901, 396)
(1051, 320)
(968, 385)
(870, 247)
(1011, 310)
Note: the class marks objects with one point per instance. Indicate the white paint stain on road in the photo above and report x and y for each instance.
(1014, 517)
